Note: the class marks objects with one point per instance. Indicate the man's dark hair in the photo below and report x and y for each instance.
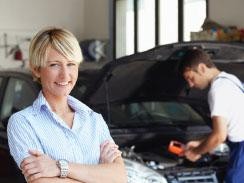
(192, 58)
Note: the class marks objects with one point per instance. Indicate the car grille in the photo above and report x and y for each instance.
(186, 175)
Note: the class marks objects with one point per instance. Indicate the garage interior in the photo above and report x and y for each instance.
(113, 26)
(131, 38)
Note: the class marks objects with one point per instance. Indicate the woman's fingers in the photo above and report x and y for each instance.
(35, 153)
(109, 152)
(39, 165)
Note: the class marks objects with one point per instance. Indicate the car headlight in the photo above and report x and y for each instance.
(138, 173)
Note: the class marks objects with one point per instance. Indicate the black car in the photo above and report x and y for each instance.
(146, 104)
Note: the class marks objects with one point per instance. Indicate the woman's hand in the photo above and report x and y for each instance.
(39, 165)
(108, 152)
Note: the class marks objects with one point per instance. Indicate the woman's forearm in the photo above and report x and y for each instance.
(55, 180)
(108, 172)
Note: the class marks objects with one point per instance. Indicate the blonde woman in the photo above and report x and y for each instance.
(58, 138)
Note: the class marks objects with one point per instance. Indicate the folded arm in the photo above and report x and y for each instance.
(55, 180)
(40, 168)
(107, 172)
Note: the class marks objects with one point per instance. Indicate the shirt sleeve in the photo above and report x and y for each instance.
(219, 99)
(104, 131)
(21, 138)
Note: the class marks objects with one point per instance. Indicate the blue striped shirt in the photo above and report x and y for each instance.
(38, 128)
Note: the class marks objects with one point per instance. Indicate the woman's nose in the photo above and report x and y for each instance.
(64, 72)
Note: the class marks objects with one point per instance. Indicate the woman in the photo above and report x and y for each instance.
(58, 136)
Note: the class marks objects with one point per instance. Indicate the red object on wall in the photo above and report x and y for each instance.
(18, 55)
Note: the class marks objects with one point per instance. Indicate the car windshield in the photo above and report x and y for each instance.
(161, 113)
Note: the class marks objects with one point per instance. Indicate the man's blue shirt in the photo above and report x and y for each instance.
(38, 128)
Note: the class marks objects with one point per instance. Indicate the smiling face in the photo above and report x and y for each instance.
(58, 76)
(61, 40)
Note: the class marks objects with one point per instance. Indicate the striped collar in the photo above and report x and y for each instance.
(76, 105)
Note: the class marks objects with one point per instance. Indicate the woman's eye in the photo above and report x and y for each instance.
(53, 65)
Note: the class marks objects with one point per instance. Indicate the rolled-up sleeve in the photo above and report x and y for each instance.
(104, 133)
(21, 138)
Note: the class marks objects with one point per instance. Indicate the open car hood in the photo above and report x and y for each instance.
(153, 74)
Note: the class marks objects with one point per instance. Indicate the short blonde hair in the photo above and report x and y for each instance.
(61, 40)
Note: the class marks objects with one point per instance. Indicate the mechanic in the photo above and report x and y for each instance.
(58, 138)
(226, 103)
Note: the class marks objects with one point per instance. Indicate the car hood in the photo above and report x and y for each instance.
(153, 74)
(138, 80)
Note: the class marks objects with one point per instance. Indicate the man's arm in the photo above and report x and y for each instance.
(216, 137)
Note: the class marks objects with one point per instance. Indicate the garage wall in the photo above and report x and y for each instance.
(20, 19)
(87, 19)
(96, 19)
(227, 12)
(34, 14)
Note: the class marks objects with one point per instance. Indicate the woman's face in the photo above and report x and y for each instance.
(59, 75)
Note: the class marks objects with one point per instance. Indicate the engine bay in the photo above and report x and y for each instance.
(175, 169)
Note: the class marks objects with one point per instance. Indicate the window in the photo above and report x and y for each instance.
(18, 95)
(168, 24)
(194, 15)
(143, 24)
(146, 22)
(153, 113)
(125, 34)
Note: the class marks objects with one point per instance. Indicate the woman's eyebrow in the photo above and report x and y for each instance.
(50, 61)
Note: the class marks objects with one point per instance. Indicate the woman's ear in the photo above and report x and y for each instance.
(35, 71)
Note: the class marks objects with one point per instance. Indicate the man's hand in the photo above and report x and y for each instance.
(189, 151)
(39, 165)
(193, 144)
(191, 155)
(108, 152)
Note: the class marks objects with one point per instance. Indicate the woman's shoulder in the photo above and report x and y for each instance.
(19, 119)
(21, 114)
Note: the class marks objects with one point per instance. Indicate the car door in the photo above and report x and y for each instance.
(16, 94)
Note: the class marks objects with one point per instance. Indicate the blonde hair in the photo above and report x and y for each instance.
(61, 40)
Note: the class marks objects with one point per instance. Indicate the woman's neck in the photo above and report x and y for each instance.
(58, 104)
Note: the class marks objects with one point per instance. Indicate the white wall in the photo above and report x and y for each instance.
(20, 19)
(96, 19)
(34, 14)
(227, 12)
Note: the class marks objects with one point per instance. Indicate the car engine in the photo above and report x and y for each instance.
(147, 167)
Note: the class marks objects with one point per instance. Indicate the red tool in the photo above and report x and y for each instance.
(176, 147)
